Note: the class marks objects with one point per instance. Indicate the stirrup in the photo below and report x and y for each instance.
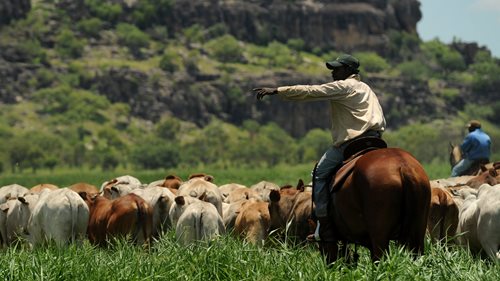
(314, 237)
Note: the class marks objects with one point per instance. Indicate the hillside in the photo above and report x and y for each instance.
(99, 74)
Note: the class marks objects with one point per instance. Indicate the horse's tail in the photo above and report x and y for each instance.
(415, 209)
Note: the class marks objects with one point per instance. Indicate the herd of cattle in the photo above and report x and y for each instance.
(464, 210)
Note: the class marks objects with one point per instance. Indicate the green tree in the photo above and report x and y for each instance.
(226, 49)
(132, 37)
(104, 10)
(155, 153)
(167, 129)
(314, 144)
(90, 27)
(167, 61)
(371, 62)
(68, 45)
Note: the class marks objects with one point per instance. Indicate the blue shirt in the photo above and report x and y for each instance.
(476, 145)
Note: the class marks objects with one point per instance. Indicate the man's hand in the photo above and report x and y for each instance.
(262, 92)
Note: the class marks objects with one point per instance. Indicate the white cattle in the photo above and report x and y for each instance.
(60, 215)
(199, 187)
(479, 220)
(12, 191)
(199, 221)
(179, 206)
(119, 186)
(264, 188)
(242, 194)
(14, 216)
(161, 200)
(227, 188)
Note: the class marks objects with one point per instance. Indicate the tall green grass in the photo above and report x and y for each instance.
(229, 258)
(281, 175)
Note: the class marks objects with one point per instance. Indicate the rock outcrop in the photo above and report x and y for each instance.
(332, 24)
(13, 9)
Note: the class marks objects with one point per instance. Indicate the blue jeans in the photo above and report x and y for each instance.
(325, 169)
(461, 167)
(327, 165)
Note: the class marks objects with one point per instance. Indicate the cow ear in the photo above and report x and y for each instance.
(203, 197)
(492, 172)
(209, 178)
(83, 194)
(496, 165)
(483, 168)
(274, 196)
(300, 183)
(22, 200)
(4, 207)
(180, 200)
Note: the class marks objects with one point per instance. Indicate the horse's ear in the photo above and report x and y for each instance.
(451, 145)
(274, 196)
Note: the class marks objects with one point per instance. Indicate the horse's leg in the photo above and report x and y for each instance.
(379, 246)
(329, 250)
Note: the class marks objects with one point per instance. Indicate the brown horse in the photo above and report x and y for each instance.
(386, 197)
(456, 156)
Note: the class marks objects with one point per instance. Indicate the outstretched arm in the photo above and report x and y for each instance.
(262, 92)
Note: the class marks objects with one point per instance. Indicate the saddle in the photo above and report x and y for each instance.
(353, 151)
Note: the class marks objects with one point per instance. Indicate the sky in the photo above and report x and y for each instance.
(467, 20)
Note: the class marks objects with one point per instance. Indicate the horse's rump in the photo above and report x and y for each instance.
(386, 198)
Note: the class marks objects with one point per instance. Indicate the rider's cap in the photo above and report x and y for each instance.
(474, 124)
(344, 59)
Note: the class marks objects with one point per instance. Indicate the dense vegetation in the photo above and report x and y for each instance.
(66, 122)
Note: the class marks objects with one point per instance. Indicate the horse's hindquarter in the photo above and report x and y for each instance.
(372, 200)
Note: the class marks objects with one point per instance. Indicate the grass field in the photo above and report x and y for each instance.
(231, 259)
(227, 258)
(281, 175)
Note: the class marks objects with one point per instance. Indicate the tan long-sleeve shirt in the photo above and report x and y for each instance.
(355, 108)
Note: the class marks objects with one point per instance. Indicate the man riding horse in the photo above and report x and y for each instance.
(355, 113)
(475, 148)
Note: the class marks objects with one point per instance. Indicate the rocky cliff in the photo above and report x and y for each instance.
(13, 9)
(328, 24)
(333, 24)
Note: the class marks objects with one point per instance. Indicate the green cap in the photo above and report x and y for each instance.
(344, 59)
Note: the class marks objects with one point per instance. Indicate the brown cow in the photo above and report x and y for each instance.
(489, 176)
(84, 187)
(40, 187)
(253, 221)
(172, 182)
(443, 215)
(290, 209)
(126, 215)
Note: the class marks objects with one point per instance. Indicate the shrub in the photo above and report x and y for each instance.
(371, 62)
(167, 62)
(104, 10)
(414, 70)
(68, 45)
(90, 27)
(226, 49)
(132, 37)
(155, 153)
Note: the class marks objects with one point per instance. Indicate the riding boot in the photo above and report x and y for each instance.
(326, 230)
